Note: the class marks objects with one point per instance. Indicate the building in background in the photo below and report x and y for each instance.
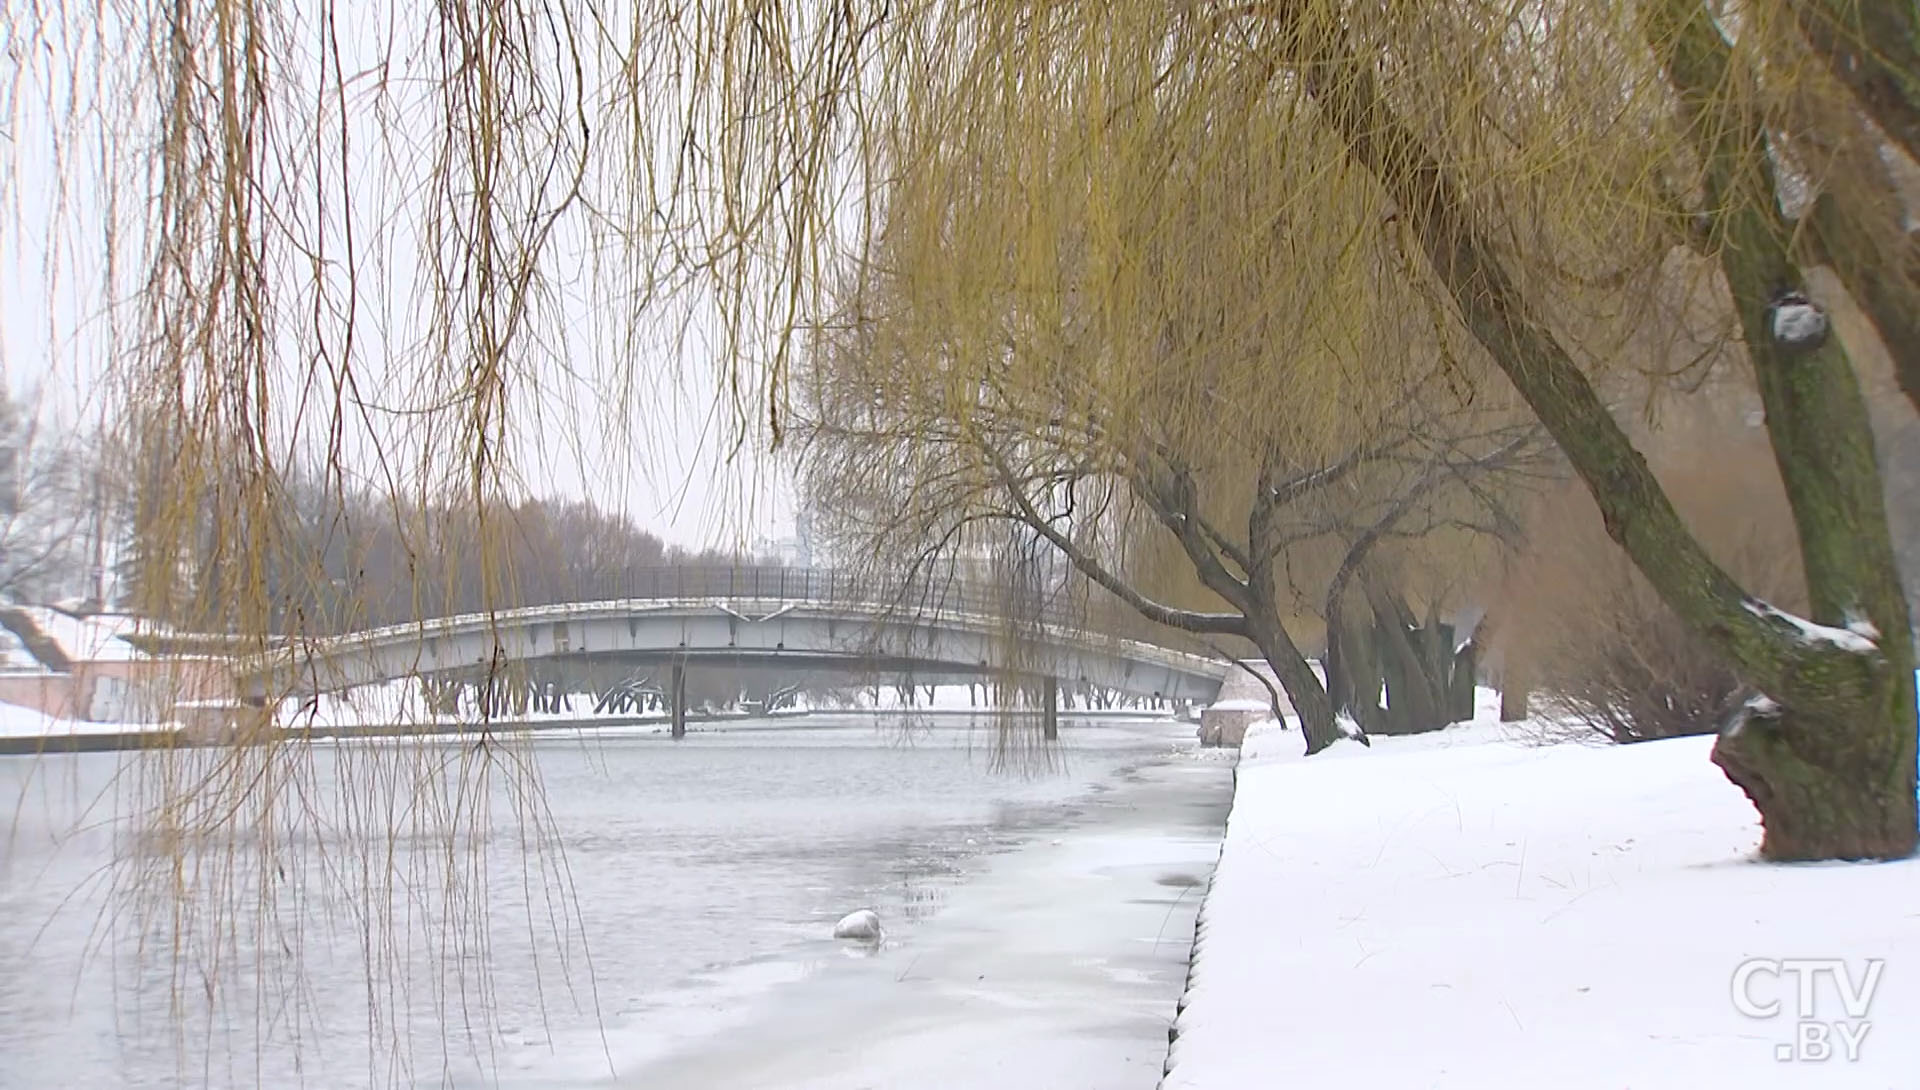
(99, 668)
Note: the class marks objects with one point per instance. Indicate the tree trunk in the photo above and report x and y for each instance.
(1297, 680)
(1513, 672)
(1341, 691)
(1513, 695)
(1369, 681)
(1833, 773)
(1352, 664)
(1821, 793)
(1872, 46)
(1436, 641)
(1462, 681)
(1414, 701)
(1885, 294)
(1404, 708)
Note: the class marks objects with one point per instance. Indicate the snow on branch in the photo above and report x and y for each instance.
(1350, 728)
(1858, 637)
(1757, 706)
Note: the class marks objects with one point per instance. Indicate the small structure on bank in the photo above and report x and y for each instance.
(1243, 701)
(103, 668)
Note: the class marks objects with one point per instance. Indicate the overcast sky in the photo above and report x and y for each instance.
(661, 446)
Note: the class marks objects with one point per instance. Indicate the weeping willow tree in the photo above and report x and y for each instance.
(1539, 171)
(1239, 431)
(381, 238)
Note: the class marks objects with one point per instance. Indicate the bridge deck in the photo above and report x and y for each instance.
(771, 614)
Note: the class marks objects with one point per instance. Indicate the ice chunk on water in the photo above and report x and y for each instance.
(864, 925)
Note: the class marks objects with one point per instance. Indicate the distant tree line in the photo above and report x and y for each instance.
(90, 524)
(348, 558)
(58, 517)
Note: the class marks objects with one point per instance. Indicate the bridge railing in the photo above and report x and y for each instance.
(1062, 606)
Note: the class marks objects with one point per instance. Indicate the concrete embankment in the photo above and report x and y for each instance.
(1245, 699)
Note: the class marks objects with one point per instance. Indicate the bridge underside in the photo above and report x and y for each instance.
(856, 669)
(864, 645)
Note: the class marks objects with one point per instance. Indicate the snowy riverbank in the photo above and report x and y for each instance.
(1469, 909)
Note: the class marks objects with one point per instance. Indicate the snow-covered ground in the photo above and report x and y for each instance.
(20, 722)
(1471, 909)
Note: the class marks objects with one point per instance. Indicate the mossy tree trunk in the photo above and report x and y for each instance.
(1860, 253)
(1833, 775)
(1873, 47)
(1833, 772)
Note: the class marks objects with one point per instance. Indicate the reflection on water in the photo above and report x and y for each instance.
(388, 923)
(919, 899)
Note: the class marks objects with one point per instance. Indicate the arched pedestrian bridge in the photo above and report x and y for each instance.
(777, 616)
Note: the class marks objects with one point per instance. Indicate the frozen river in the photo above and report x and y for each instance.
(657, 915)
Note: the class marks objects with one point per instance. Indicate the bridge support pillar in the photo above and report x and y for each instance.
(677, 697)
(1050, 709)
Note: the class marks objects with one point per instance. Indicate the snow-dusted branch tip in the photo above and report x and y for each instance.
(1858, 637)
